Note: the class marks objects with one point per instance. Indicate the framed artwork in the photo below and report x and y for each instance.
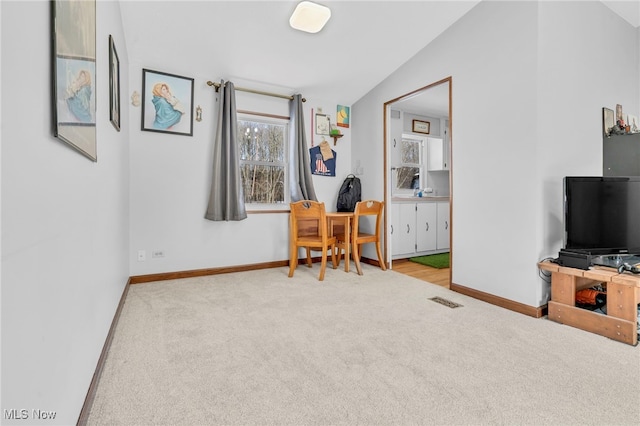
(608, 120)
(421, 127)
(619, 116)
(323, 124)
(114, 85)
(74, 74)
(167, 103)
(342, 116)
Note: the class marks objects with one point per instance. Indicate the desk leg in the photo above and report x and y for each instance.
(347, 237)
(347, 227)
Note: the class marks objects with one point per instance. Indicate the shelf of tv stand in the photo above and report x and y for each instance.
(623, 296)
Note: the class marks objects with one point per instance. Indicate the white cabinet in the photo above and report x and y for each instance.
(395, 139)
(403, 227)
(444, 225)
(419, 228)
(426, 226)
(437, 154)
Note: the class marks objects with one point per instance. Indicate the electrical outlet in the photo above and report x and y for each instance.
(142, 255)
(157, 253)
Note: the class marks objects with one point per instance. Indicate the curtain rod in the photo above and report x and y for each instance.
(258, 92)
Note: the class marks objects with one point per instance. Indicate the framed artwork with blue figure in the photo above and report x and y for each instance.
(74, 74)
(167, 103)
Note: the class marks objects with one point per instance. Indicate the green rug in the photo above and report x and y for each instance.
(434, 260)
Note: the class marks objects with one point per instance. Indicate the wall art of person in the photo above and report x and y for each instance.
(79, 96)
(169, 109)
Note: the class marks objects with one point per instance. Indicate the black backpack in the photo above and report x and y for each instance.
(350, 193)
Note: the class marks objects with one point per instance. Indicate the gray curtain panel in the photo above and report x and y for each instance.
(300, 178)
(226, 200)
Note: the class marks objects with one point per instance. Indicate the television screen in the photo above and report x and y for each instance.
(602, 214)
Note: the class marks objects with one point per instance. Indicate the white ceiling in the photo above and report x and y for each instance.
(252, 44)
(628, 9)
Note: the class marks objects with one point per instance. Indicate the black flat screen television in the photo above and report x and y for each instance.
(602, 214)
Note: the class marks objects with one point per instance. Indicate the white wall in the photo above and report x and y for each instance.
(529, 83)
(170, 183)
(523, 115)
(64, 223)
(581, 70)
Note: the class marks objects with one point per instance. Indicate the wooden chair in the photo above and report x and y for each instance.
(359, 237)
(315, 237)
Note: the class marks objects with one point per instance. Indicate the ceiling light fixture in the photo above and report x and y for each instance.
(309, 17)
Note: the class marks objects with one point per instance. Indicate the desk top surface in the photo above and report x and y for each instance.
(601, 273)
(339, 214)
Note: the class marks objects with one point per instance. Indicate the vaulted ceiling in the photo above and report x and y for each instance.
(251, 42)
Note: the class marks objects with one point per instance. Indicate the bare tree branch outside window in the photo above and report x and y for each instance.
(262, 161)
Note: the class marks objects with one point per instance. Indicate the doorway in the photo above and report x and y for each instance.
(425, 113)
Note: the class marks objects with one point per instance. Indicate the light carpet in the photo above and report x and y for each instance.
(259, 348)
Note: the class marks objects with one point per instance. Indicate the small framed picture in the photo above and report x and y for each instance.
(420, 126)
(74, 75)
(342, 116)
(619, 115)
(167, 103)
(608, 120)
(114, 85)
(323, 124)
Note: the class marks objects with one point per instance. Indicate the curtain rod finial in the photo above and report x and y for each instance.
(215, 86)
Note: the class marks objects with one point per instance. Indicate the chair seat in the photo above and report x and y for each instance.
(313, 241)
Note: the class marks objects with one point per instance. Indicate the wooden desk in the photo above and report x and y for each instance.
(345, 220)
(623, 295)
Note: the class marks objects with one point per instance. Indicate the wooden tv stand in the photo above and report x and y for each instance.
(623, 296)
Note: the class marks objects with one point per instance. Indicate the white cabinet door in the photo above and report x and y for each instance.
(395, 140)
(443, 225)
(437, 153)
(394, 231)
(406, 237)
(420, 227)
(426, 226)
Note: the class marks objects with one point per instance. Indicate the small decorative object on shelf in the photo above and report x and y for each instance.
(622, 124)
(617, 130)
(334, 132)
(632, 121)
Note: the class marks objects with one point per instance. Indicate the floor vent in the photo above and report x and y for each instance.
(445, 302)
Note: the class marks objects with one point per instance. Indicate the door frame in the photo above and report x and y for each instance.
(386, 110)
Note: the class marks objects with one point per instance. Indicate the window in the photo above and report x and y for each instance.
(263, 146)
(409, 174)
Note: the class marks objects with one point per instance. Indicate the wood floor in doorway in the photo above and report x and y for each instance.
(422, 272)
